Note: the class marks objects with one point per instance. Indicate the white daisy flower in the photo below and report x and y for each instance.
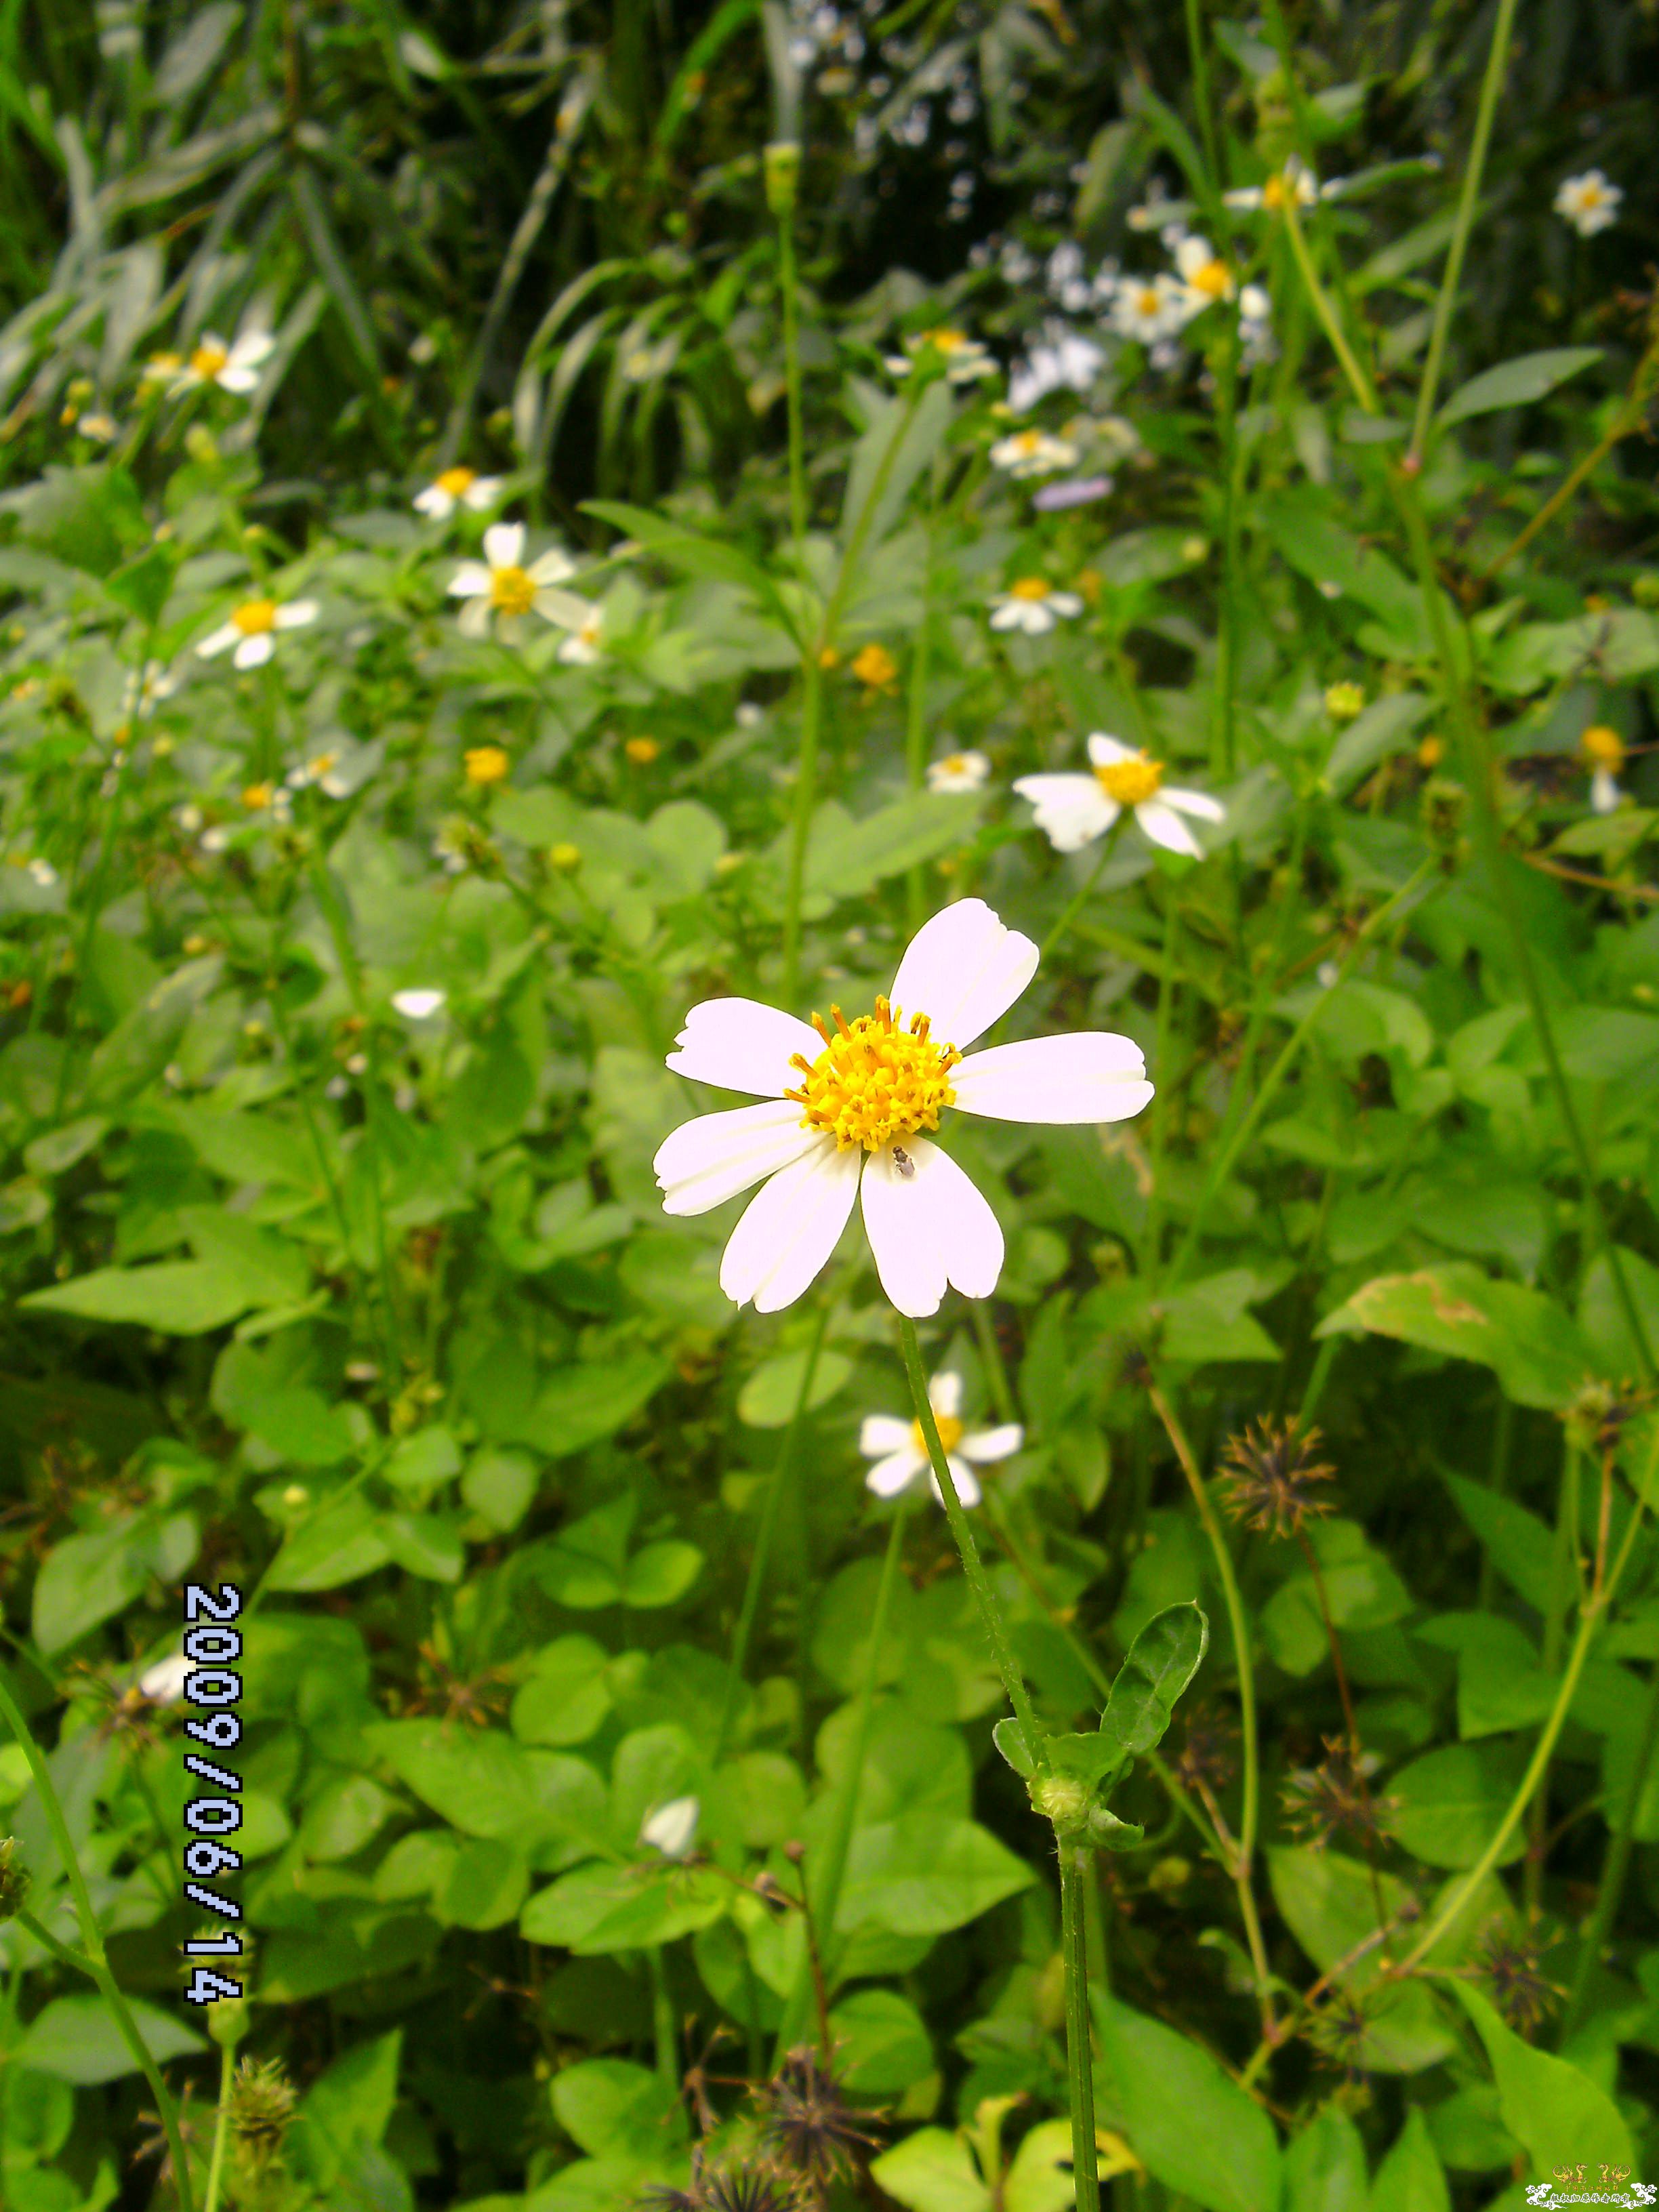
(252, 629)
(1588, 203)
(1073, 811)
(583, 645)
(1033, 453)
(502, 586)
(163, 1684)
(843, 1109)
(958, 772)
(1205, 275)
(1148, 309)
(418, 1006)
(104, 429)
(232, 366)
(42, 873)
(145, 688)
(1295, 180)
(324, 770)
(966, 360)
(1033, 604)
(671, 1828)
(901, 1455)
(1064, 363)
(453, 487)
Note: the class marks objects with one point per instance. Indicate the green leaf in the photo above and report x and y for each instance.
(882, 2044)
(1517, 383)
(1361, 1588)
(567, 1694)
(1529, 1340)
(76, 2039)
(768, 1399)
(615, 2109)
(1330, 1904)
(1411, 2178)
(932, 2171)
(1518, 1543)
(1325, 2164)
(425, 1544)
(902, 437)
(1445, 1807)
(1010, 1739)
(342, 1542)
(697, 555)
(422, 1461)
(176, 1298)
(1162, 1662)
(846, 857)
(1194, 2130)
(660, 1575)
(486, 1782)
(580, 1405)
(87, 1579)
(1558, 2114)
(600, 1908)
(1040, 2178)
(923, 1876)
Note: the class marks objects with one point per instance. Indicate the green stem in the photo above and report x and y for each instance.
(1166, 992)
(95, 1963)
(915, 731)
(1074, 1862)
(990, 1353)
(1075, 904)
(990, 1613)
(827, 1889)
(221, 2129)
(763, 1535)
(1616, 1865)
(1490, 85)
(788, 284)
(662, 2021)
(65, 1955)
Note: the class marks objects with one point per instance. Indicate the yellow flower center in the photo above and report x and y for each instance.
(1131, 782)
(950, 1432)
(1603, 748)
(455, 481)
(513, 590)
(256, 797)
(875, 666)
(1274, 193)
(954, 764)
(255, 617)
(945, 341)
(486, 764)
(1034, 588)
(208, 359)
(874, 1081)
(641, 750)
(1148, 302)
(1028, 441)
(1590, 196)
(1211, 280)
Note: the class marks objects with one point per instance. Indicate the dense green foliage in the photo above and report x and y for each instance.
(609, 1747)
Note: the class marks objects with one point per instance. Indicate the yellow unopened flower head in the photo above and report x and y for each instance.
(1344, 701)
(829, 657)
(258, 796)
(875, 666)
(641, 750)
(1430, 752)
(567, 859)
(1603, 747)
(487, 764)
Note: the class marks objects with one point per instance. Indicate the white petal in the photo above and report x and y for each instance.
(472, 581)
(563, 608)
(882, 1433)
(473, 621)
(1193, 802)
(251, 348)
(577, 653)
(945, 1394)
(1008, 616)
(993, 1443)
(1064, 603)
(296, 614)
(791, 1228)
(418, 1006)
(895, 1473)
(503, 543)
(1088, 1076)
(1036, 617)
(928, 1230)
(705, 1162)
(1104, 750)
(1165, 827)
(741, 1045)
(963, 970)
(254, 651)
(1604, 790)
(233, 379)
(219, 641)
(1071, 811)
(671, 1828)
(552, 568)
(435, 501)
(963, 1479)
(164, 1682)
(481, 492)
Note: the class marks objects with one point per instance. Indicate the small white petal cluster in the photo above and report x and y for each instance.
(1034, 605)
(233, 365)
(901, 1456)
(958, 772)
(458, 487)
(418, 1006)
(967, 360)
(1064, 362)
(163, 1683)
(928, 1225)
(1033, 453)
(502, 588)
(1073, 810)
(1588, 203)
(251, 631)
(671, 1828)
(1294, 181)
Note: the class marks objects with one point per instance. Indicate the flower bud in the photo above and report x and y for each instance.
(13, 1879)
(1063, 1799)
(783, 161)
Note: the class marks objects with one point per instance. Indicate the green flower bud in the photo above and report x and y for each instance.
(13, 1879)
(1063, 1799)
(782, 161)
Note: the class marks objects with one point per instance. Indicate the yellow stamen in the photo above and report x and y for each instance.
(455, 481)
(486, 764)
(950, 1432)
(1211, 280)
(945, 341)
(1130, 781)
(874, 1082)
(873, 664)
(1149, 302)
(1030, 587)
(256, 797)
(255, 617)
(1603, 748)
(511, 590)
(1029, 441)
(208, 359)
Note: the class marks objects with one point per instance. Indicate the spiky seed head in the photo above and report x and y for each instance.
(1268, 1477)
(1512, 1967)
(259, 2110)
(1335, 1798)
(805, 2122)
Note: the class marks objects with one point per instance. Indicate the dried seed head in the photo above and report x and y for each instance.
(1208, 1760)
(1335, 1798)
(1267, 1482)
(259, 2110)
(1512, 1966)
(806, 2123)
(1337, 2029)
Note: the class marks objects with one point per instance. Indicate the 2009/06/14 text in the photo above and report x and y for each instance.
(215, 1688)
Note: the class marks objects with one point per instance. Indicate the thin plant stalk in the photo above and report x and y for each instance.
(1079, 899)
(1616, 1865)
(1074, 1863)
(823, 1910)
(763, 1535)
(95, 1962)
(662, 2022)
(221, 2129)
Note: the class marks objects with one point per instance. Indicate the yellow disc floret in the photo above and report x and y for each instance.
(950, 1432)
(455, 482)
(1603, 747)
(1035, 588)
(513, 590)
(207, 361)
(255, 617)
(875, 1081)
(1132, 781)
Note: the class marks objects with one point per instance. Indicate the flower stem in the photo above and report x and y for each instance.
(822, 1909)
(221, 2129)
(1074, 1863)
(1074, 907)
(763, 1536)
(1616, 1865)
(95, 1963)
(788, 285)
(1002, 1650)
